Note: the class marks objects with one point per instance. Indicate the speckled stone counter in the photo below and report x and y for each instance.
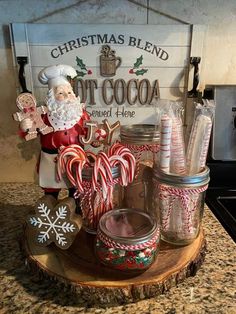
(212, 290)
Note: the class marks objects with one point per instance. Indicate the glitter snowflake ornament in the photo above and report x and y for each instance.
(55, 222)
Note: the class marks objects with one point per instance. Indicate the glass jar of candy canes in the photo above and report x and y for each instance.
(127, 239)
(99, 197)
(143, 142)
(97, 178)
(180, 203)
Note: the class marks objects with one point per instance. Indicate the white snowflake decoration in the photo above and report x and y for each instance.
(54, 225)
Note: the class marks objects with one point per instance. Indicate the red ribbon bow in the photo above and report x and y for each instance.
(30, 109)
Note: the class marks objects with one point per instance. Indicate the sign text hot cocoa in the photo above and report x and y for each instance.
(118, 91)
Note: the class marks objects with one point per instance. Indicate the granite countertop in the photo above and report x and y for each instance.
(212, 290)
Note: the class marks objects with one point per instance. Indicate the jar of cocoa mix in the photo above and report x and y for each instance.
(127, 239)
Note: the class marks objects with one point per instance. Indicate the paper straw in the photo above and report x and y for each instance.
(178, 159)
(165, 143)
(198, 144)
(205, 144)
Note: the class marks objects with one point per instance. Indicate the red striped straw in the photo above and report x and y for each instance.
(178, 159)
(165, 143)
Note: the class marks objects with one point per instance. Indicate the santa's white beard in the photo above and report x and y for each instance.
(65, 110)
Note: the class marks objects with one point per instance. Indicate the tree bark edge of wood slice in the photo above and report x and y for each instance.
(78, 269)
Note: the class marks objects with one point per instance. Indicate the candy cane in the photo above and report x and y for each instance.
(129, 157)
(99, 169)
(111, 150)
(66, 158)
(69, 171)
(126, 154)
(61, 163)
(123, 168)
(78, 174)
(106, 163)
(95, 173)
(72, 150)
(118, 149)
(103, 178)
(67, 152)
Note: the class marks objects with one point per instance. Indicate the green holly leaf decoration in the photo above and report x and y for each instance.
(81, 64)
(141, 72)
(138, 62)
(80, 73)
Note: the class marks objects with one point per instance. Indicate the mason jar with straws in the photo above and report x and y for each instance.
(181, 176)
(180, 200)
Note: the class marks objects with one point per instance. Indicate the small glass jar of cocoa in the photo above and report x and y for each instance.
(143, 142)
(127, 240)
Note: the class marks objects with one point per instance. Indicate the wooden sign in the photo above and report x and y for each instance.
(122, 70)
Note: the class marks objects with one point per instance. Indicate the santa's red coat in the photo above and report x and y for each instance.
(50, 143)
(67, 137)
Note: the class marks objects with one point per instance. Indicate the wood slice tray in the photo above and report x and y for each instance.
(79, 268)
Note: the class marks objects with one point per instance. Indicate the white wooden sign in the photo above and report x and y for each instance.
(122, 69)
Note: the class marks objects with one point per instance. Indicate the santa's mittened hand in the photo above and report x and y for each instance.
(26, 124)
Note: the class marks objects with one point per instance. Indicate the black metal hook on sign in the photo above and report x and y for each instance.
(22, 61)
(195, 62)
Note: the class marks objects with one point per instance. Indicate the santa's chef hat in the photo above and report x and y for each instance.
(56, 75)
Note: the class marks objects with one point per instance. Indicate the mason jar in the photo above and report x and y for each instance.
(96, 203)
(127, 239)
(143, 142)
(179, 201)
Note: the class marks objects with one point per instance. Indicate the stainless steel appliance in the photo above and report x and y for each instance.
(221, 194)
(223, 145)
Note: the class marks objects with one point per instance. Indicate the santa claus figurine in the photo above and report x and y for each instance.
(66, 115)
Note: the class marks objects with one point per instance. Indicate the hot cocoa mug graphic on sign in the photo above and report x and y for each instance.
(108, 61)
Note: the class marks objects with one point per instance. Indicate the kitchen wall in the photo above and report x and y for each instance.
(218, 65)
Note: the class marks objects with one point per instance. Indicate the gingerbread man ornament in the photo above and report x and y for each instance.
(26, 102)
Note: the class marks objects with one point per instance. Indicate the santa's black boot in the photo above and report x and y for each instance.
(54, 194)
